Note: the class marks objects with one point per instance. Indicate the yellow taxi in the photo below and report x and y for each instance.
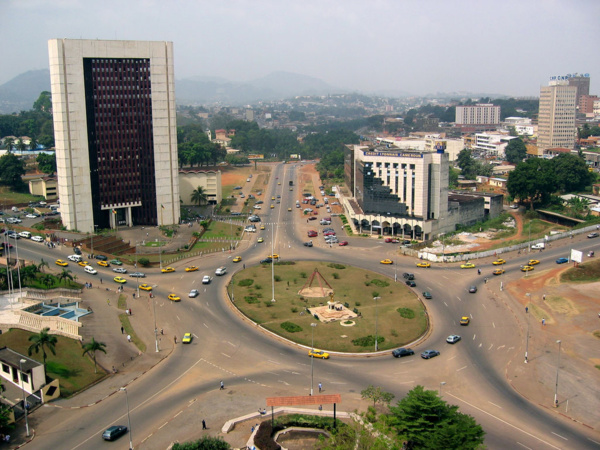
(272, 198)
(273, 256)
(272, 206)
(499, 262)
(467, 266)
(191, 269)
(120, 280)
(314, 353)
(174, 298)
(167, 270)
(145, 287)
(526, 268)
(424, 264)
(279, 184)
(289, 209)
(83, 263)
(103, 263)
(533, 262)
(60, 262)
(386, 261)
(262, 227)
(464, 320)
(498, 272)
(187, 338)
(237, 259)
(260, 240)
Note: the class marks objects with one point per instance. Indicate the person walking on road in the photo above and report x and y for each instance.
(204, 424)
(122, 330)
(222, 386)
(128, 338)
(320, 387)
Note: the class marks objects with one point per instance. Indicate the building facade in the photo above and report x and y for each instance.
(556, 122)
(191, 179)
(480, 114)
(582, 83)
(115, 131)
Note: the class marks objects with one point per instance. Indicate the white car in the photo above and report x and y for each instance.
(37, 239)
(257, 207)
(90, 269)
(251, 229)
(31, 216)
(206, 279)
(74, 258)
(120, 270)
(193, 293)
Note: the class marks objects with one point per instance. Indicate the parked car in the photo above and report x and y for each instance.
(400, 352)
(343, 243)
(101, 258)
(427, 354)
(308, 244)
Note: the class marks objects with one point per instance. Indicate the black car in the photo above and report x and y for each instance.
(408, 276)
(411, 283)
(266, 261)
(101, 257)
(427, 354)
(114, 432)
(427, 295)
(308, 244)
(400, 352)
(76, 250)
(472, 289)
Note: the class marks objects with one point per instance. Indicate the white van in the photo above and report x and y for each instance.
(25, 234)
(90, 269)
(220, 271)
(75, 258)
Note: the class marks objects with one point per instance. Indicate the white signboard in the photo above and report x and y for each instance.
(576, 255)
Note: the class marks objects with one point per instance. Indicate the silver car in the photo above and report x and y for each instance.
(193, 293)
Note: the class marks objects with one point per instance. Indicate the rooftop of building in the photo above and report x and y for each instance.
(476, 194)
(463, 198)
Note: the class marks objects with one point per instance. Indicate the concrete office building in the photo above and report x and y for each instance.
(556, 121)
(480, 114)
(115, 131)
(582, 83)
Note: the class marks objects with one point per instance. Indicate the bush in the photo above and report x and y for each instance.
(277, 278)
(246, 282)
(380, 283)
(407, 313)
(285, 263)
(302, 274)
(145, 262)
(268, 303)
(367, 341)
(258, 286)
(291, 327)
(263, 439)
(336, 266)
(347, 305)
(205, 442)
(335, 275)
(294, 309)
(251, 299)
(357, 303)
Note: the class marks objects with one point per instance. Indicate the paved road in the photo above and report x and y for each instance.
(168, 402)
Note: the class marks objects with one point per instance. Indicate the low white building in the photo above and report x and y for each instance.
(493, 145)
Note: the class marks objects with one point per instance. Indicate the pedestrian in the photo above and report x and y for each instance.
(222, 386)
(204, 424)
(133, 294)
(320, 387)
(544, 297)
(175, 339)
(108, 301)
(244, 265)
(252, 429)
(90, 285)
(122, 330)
(320, 407)
(100, 280)
(162, 331)
(543, 322)
(128, 338)
(130, 312)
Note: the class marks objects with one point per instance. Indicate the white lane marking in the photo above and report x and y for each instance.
(177, 317)
(501, 347)
(595, 442)
(474, 336)
(524, 446)
(195, 336)
(471, 316)
(205, 325)
(510, 348)
(280, 381)
(337, 382)
(562, 437)
(233, 345)
(497, 406)
(484, 307)
(164, 424)
(480, 345)
(462, 368)
(446, 304)
(490, 347)
(406, 382)
(501, 420)
(271, 361)
(450, 359)
(296, 373)
(225, 355)
(459, 299)
(493, 324)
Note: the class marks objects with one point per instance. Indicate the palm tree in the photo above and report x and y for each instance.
(199, 196)
(9, 142)
(21, 145)
(48, 280)
(33, 143)
(42, 264)
(91, 348)
(65, 275)
(42, 340)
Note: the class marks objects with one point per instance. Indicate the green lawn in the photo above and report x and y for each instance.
(74, 371)
(587, 272)
(218, 229)
(350, 287)
(7, 197)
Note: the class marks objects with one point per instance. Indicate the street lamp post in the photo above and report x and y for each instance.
(529, 244)
(273, 266)
(137, 279)
(376, 345)
(312, 358)
(527, 335)
(128, 418)
(442, 383)
(24, 397)
(557, 367)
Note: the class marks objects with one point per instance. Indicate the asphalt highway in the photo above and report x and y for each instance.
(254, 365)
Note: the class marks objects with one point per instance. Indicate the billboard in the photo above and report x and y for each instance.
(256, 156)
(295, 156)
(576, 255)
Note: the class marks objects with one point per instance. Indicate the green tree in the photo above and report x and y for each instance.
(570, 173)
(21, 145)
(199, 196)
(41, 265)
(9, 143)
(466, 163)
(425, 421)
(377, 395)
(453, 177)
(42, 341)
(531, 181)
(65, 275)
(33, 143)
(578, 205)
(44, 102)
(204, 443)
(515, 151)
(91, 348)
(12, 169)
(46, 163)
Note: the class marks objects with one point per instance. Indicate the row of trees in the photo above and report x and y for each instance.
(35, 123)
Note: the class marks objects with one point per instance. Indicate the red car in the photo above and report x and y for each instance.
(316, 213)
(312, 233)
(391, 240)
(343, 243)
(312, 218)
(329, 233)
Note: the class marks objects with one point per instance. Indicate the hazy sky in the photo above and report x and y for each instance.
(422, 46)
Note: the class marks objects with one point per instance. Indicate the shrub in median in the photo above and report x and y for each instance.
(246, 282)
(367, 341)
(291, 327)
(407, 313)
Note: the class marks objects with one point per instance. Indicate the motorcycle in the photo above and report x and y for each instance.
(590, 254)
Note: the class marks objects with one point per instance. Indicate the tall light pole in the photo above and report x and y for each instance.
(273, 266)
(557, 367)
(137, 279)
(529, 244)
(128, 418)
(312, 358)
(527, 335)
(21, 362)
(376, 344)
(442, 383)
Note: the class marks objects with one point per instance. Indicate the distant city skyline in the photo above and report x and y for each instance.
(508, 48)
